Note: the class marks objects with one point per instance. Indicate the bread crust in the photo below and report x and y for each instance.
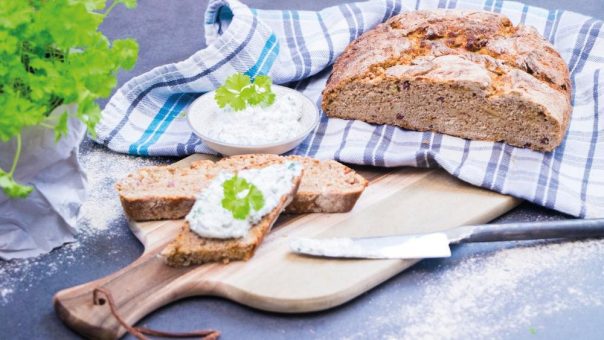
(326, 203)
(157, 208)
(479, 55)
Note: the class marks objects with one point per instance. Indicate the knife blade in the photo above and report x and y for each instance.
(387, 247)
(434, 245)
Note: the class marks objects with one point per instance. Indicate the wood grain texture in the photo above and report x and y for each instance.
(397, 201)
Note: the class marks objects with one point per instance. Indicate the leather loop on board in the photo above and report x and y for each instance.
(140, 332)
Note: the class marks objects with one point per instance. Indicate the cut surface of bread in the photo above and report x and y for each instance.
(470, 74)
(168, 192)
(327, 187)
(163, 192)
(188, 248)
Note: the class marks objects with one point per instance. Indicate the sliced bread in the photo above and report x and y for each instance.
(163, 192)
(168, 192)
(189, 248)
(327, 187)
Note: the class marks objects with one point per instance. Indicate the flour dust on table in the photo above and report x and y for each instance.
(460, 302)
(101, 217)
(103, 207)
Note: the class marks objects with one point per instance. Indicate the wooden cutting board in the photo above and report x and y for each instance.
(397, 201)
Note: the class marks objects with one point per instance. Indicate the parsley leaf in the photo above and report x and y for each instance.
(263, 90)
(240, 197)
(61, 127)
(47, 60)
(231, 93)
(11, 188)
(239, 91)
(128, 3)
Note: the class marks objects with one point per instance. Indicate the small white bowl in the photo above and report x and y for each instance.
(197, 115)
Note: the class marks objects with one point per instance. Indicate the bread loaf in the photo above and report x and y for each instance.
(470, 74)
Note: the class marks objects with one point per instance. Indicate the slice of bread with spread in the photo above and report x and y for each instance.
(168, 192)
(471, 74)
(190, 248)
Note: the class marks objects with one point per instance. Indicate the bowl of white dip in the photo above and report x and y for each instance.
(273, 129)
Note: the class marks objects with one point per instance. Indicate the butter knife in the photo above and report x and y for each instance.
(434, 245)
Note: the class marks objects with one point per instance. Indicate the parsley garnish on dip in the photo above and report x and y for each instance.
(232, 203)
(253, 113)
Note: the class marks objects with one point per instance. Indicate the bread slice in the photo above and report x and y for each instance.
(471, 74)
(327, 186)
(163, 192)
(156, 193)
(189, 248)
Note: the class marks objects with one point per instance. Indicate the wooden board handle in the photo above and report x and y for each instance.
(137, 290)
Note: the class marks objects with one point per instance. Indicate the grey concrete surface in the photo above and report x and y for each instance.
(551, 295)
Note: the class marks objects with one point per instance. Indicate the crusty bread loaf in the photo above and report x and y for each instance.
(163, 192)
(470, 74)
(327, 186)
(189, 248)
(168, 192)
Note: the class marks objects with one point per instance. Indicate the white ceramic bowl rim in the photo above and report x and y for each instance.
(256, 146)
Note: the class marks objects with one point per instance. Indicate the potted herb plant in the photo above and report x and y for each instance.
(54, 65)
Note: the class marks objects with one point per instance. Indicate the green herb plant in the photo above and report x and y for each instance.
(240, 196)
(239, 91)
(51, 53)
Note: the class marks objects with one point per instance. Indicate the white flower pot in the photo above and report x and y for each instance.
(46, 219)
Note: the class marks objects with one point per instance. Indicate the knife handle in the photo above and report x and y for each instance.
(528, 231)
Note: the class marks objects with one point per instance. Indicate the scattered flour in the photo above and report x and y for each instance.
(456, 303)
(98, 217)
(103, 207)
(15, 274)
(4, 292)
(452, 303)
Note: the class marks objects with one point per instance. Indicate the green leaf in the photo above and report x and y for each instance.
(128, 3)
(14, 13)
(126, 51)
(269, 99)
(51, 53)
(256, 198)
(11, 188)
(230, 93)
(239, 91)
(61, 126)
(263, 82)
(240, 197)
(92, 5)
(251, 95)
(8, 43)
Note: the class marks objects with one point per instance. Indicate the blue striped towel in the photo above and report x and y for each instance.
(298, 47)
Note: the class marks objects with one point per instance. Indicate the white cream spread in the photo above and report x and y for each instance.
(257, 125)
(209, 219)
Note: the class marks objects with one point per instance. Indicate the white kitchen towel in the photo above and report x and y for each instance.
(297, 47)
